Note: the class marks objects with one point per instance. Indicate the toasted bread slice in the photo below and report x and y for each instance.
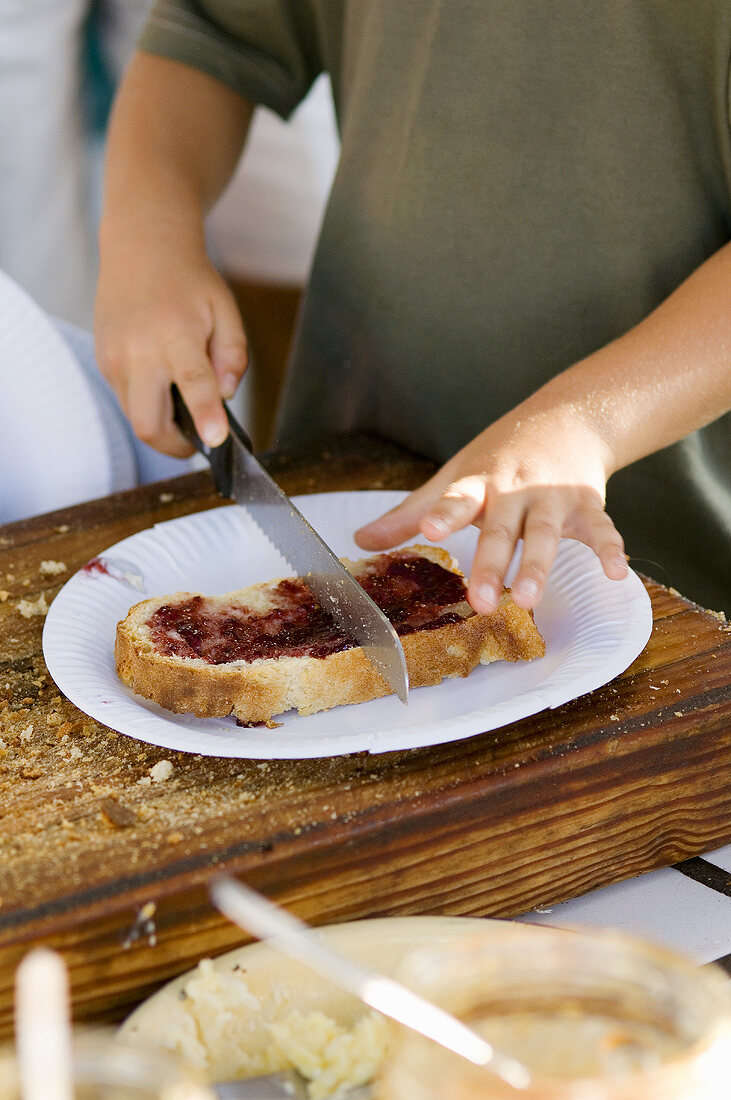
(270, 648)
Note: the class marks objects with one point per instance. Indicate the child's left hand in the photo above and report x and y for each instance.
(536, 475)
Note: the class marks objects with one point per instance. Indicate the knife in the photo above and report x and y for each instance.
(238, 474)
(276, 1086)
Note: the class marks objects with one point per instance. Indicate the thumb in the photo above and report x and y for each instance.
(401, 523)
(227, 347)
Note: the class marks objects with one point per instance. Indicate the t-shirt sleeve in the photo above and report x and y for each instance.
(266, 50)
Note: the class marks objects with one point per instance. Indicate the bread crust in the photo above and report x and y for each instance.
(256, 691)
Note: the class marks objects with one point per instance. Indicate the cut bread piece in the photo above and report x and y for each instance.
(270, 648)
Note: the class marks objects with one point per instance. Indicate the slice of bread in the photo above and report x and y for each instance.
(270, 648)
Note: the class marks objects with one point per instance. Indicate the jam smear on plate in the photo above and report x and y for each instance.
(96, 565)
(414, 592)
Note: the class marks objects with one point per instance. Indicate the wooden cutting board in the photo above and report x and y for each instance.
(102, 862)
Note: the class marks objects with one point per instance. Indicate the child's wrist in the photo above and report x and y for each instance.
(130, 230)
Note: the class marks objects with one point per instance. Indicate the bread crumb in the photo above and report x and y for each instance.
(27, 733)
(29, 608)
(117, 813)
(52, 568)
(68, 727)
(144, 782)
(4, 595)
(161, 771)
(174, 838)
(62, 528)
(165, 498)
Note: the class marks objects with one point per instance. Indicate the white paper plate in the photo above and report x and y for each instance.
(593, 627)
(54, 446)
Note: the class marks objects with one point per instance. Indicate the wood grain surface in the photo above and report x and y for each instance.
(110, 867)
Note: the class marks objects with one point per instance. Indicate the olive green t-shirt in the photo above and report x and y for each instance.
(520, 182)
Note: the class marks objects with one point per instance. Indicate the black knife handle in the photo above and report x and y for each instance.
(221, 457)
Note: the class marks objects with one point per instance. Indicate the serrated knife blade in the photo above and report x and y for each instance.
(239, 474)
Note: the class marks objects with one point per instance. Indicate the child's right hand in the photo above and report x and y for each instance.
(164, 314)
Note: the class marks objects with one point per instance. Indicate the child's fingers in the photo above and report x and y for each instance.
(150, 410)
(390, 529)
(401, 523)
(542, 529)
(502, 526)
(190, 368)
(595, 528)
(227, 348)
(458, 506)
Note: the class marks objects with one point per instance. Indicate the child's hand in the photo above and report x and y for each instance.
(539, 477)
(163, 315)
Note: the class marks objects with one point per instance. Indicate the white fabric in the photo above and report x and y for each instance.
(264, 228)
(132, 462)
(265, 225)
(47, 210)
(45, 237)
(63, 436)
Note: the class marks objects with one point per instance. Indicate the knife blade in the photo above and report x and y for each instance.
(238, 473)
(277, 1086)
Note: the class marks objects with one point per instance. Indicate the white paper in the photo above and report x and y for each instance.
(593, 627)
(53, 444)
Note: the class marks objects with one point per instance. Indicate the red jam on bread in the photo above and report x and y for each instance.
(270, 648)
(414, 592)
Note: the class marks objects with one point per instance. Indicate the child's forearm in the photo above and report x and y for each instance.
(666, 377)
(539, 472)
(163, 313)
(175, 138)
